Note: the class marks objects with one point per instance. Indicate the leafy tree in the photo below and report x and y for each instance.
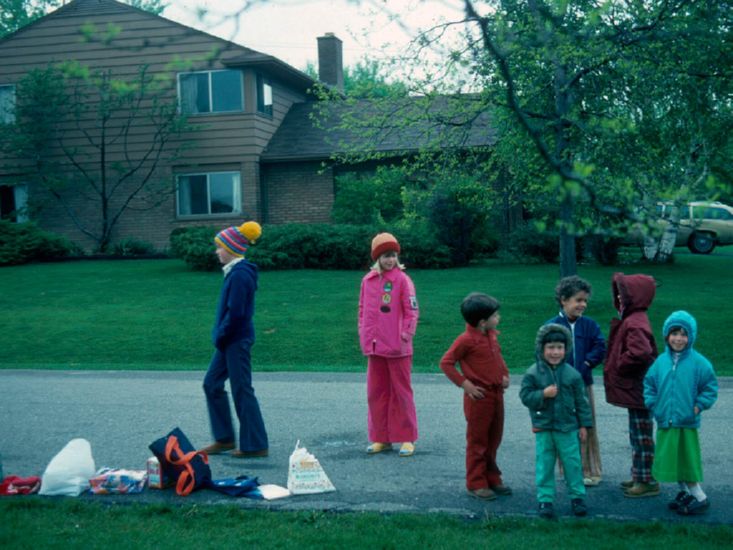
(95, 143)
(15, 14)
(367, 79)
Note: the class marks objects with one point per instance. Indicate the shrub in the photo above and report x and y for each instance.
(25, 242)
(368, 199)
(195, 246)
(132, 247)
(528, 244)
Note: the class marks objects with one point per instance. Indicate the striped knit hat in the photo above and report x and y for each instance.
(384, 242)
(236, 240)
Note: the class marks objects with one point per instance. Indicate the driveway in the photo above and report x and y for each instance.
(121, 412)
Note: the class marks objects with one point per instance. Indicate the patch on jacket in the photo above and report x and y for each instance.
(413, 302)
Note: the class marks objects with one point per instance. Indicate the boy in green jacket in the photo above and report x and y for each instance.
(554, 393)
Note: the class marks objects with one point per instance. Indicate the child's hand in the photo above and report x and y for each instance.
(697, 410)
(472, 390)
(550, 391)
(505, 382)
(583, 434)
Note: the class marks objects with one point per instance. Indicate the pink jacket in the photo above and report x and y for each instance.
(388, 313)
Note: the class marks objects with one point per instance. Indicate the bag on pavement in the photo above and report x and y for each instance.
(181, 462)
(241, 486)
(15, 485)
(109, 481)
(306, 475)
(69, 471)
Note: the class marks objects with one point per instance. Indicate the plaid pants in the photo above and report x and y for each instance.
(641, 437)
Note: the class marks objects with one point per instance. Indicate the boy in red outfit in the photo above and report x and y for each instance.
(484, 377)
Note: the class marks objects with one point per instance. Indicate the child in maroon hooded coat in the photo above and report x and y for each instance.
(631, 351)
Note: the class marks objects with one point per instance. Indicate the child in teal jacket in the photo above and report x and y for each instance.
(677, 388)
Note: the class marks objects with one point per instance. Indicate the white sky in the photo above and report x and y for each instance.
(287, 29)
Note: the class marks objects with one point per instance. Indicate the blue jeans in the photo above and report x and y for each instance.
(234, 363)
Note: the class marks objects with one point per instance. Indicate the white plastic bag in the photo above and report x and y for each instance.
(306, 476)
(70, 470)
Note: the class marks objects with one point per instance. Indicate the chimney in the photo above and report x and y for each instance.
(330, 61)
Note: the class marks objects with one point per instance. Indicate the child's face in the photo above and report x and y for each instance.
(224, 255)
(575, 305)
(678, 339)
(388, 260)
(485, 325)
(554, 353)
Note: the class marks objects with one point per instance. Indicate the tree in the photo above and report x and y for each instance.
(367, 79)
(15, 14)
(96, 143)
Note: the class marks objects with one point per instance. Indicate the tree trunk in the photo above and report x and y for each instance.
(568, 265)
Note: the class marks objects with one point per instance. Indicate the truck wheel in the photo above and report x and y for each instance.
(701, 243)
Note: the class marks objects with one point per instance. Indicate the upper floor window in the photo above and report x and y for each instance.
(210, 92)
(7, 104)
(209, 193)
(264, 95)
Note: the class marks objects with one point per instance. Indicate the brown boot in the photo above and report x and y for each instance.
(218, 447)
(640, 489)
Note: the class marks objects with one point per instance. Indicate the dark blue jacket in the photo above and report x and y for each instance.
(588, 344)
(236, 306)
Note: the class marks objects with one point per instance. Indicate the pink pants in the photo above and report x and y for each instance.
(392, 416)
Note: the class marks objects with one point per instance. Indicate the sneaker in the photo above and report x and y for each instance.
(407, 449)
(578, 506)
(547, 510)
(681, 498)
(641, 489)
(693, 507)
(484, 493)
(375, 448)
(502, 489)
(218, 447)
(261, 453)
(591, 481)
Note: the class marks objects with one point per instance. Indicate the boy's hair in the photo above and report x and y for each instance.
(676, 328)
(478, 306)
(570, 286)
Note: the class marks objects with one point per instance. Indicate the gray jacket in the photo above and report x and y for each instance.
(569, 409)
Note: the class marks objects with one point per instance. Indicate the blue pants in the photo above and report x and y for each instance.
(234, 364)
(551, 444)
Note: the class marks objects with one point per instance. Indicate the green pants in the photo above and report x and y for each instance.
(548, 446)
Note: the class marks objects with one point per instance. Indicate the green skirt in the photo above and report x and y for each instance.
(677, 455)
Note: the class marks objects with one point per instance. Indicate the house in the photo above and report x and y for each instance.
(252, 150)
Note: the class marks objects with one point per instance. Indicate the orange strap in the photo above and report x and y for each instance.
(186, 481)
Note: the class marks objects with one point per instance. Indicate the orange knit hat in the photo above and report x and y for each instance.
(384, 242)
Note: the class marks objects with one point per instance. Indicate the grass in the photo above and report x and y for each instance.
(156, 314)
(83, 524)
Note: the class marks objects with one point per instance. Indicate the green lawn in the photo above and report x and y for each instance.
(156, 314)
(36, 523)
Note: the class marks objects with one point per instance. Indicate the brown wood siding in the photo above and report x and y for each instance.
(232, 139)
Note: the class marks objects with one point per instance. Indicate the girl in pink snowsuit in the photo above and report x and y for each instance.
(388, 315)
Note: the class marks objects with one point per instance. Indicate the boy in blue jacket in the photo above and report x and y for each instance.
(589, 347)
(233, 336)
(677, 388)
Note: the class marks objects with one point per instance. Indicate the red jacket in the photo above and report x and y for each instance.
(631, 345)
(479, 358)
(387, 313)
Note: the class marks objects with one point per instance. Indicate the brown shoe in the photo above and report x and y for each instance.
(639, 489)
(627, 484)
(502, 490)
(484, 493)
(250, 454)
(218, 447)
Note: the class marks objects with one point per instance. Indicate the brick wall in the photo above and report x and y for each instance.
(297, 192)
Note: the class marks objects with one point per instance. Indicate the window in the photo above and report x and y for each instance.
(7, 104)
(264, 95)
(210, 92)
(14, 202)
(205, 194)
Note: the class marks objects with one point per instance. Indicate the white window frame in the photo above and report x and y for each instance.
(262, 107)
(211, 110)
(20, 202)
(7, 108)
(237, 194)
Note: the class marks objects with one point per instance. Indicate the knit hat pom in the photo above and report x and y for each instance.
(251, 230)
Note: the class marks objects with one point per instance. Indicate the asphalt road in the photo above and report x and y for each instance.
(120, 413)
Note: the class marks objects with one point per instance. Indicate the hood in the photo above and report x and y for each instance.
(684, 320)
(543, 331)
(636, 292)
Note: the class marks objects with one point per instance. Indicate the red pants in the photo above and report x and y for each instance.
(484, 431)
(392, 416)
